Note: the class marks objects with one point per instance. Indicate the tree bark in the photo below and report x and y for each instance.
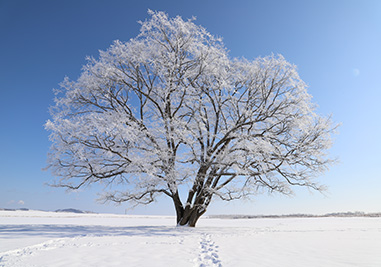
(190, 216)
(195, 215)
(178, 207)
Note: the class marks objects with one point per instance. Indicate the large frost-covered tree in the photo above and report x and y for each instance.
(170, 112)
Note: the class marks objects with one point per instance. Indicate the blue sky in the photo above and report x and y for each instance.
(335, 44)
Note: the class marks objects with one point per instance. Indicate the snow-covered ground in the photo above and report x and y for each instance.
(35, 238)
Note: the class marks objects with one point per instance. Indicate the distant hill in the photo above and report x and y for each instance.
(71, 210)
(23, 209)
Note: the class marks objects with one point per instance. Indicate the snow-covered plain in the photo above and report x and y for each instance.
(36, 238)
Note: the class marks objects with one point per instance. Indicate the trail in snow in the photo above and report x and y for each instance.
(208, 255)
(16, 257)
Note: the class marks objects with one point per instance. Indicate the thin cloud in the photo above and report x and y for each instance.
(356, 72)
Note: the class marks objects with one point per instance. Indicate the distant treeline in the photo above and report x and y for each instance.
(335, 214)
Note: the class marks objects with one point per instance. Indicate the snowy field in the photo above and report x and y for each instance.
(35, 238)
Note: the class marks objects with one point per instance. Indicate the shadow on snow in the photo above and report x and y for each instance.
(57, 231)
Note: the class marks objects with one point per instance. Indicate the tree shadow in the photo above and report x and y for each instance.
(59, 231)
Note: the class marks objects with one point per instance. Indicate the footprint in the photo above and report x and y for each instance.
(208, 255)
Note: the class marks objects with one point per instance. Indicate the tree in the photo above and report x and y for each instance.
(170, 112)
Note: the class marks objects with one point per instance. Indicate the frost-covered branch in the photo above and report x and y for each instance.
(170, 109)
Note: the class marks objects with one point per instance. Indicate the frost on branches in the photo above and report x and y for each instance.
(169, 112)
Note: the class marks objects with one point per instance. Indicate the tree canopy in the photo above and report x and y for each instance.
(169, 111)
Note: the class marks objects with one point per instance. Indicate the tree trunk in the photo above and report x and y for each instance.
(189, 216)
(195, 215)
(178, 207)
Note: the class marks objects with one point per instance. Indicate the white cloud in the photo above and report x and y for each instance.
(21, 202)
(355, 72)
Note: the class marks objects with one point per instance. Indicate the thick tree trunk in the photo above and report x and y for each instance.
(189, 215)
(195, 215)
(178, 207)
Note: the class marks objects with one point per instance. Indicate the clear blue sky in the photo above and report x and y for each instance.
(335, 44)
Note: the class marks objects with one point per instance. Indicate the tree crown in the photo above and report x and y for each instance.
(171, 108)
